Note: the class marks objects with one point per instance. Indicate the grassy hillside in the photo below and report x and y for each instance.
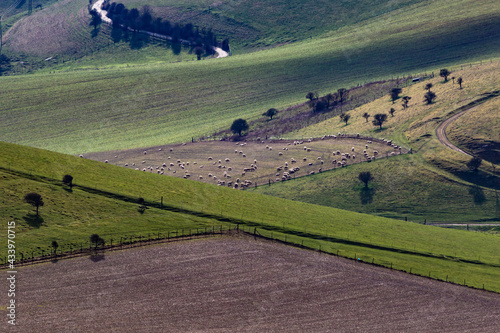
(434, 183)
(405, 245)
(103, 110)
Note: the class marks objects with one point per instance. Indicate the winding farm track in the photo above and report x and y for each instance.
(441, 132)
(97, 6)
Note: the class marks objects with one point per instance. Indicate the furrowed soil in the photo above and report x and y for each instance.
(238, 284)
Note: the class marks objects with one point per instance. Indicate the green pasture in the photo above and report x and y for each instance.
(115, 188)
(101, 110)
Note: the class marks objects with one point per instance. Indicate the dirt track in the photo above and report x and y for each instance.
(232, 284)
(441, 132)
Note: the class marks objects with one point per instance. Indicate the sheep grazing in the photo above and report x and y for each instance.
(308, 149)
(270, 148)
(235, 186)
(171, 149)
(244, 155)
(227, 159)
(200, 177)
(338, 152)
(353, 157)
(293, 160)
(305, 147)
(210, 175)
(81, 156)
(352, 149)
(126, 164)
(322, 161)
(229, 169)
(144, 169)
(171, 164)
(241, 153)
(133, 164)
(375, 152)
(137, 169)
(210, 158)
(220, 161)
(334, 162)
(236, 151)
(279, 168)
(106, 161)
(145, 152)
(280, 154)
(312, 173)
(305, 159)
(159, 149)
(164, 164)
(310, 164)
(143, 162)
(254, 161)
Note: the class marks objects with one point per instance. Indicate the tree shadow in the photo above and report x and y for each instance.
(366, 195)
(96, 257)
(137, 41)
(68, 189)
(95, 32)
(477, 195)
(33, 220)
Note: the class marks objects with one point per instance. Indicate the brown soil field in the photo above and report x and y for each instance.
(238, 284)
(208, 161)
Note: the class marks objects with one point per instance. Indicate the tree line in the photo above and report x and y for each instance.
(133, 19)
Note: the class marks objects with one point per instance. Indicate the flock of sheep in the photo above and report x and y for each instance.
(239, 171)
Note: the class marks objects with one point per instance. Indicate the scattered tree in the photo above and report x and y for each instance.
(345, 117)
(270, 113)
(329, 98)
(395, 93)
(428, 86)
(342, 95)
(460, 81)
(365, 177)
(239, 125)
(199, 52)
(366, 115)
(391, 111)
(406, 99)
(379, 119)
(429, 97)
(444, 73)
(474, 163)
(68, 180)
(311, 96)
(34, 199)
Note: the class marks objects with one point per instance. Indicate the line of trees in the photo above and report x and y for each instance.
(135, 20)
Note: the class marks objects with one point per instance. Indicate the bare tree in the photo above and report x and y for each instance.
(366, 115)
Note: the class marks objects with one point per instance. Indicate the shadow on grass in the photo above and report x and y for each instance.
(33, 220)
(96, 257)
(477, 195)
(366, 195)
(68, 189)
(480, 178)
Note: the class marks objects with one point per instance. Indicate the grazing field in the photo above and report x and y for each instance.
(233, 284)
(452, 254)
(244, 164)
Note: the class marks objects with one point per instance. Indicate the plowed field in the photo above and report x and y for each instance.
(238, 284)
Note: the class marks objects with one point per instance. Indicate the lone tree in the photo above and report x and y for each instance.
(345, 117)
(429, 97)
(474, 163)
(270, 113)
(460, 81)
(444, 73)
(365, 177)
(379, 119)
(391, 111)
(238, 126)
(395, 93)
(428, 86)
(199, 52)
(34, 199)
(68, 180)
(406, 99)
(311, 96)
(342, 94)
(96, 240)
(366, 115)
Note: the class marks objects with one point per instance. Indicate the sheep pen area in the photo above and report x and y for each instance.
(244, 164)
(240, 284)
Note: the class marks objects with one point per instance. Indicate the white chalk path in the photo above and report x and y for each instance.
(97, 6)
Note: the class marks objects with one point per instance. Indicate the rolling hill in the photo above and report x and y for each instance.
(104, 194)
(100, 110)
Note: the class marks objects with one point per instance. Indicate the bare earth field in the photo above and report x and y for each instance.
(227, 163)
(238, 284)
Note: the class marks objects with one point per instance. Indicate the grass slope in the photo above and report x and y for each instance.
(114, 109)
(433, 183)
(403, 244)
